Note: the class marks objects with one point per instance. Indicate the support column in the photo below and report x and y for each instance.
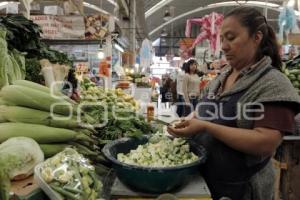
(132, 38)
(25, 8)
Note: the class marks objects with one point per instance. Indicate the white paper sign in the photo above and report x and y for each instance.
(12, 8)
(60, 27)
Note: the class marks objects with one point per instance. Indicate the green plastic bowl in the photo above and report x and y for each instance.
(150, 179)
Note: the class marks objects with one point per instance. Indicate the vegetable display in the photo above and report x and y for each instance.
(117, 113)
(292, 70)
(18, 157)
(26, 111)
(25, 36)
(160, 151)
(12, 63)
(71, 175)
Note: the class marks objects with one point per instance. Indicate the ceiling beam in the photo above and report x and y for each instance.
(156, 7)
(126, 7)
(210, 6)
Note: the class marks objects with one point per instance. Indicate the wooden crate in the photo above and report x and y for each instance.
(294, 38)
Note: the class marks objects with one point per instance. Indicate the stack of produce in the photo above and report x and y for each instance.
(12, 62)
(71, 176)
(160, 151)
(53, 73)
(25, 36)
(18, 157)
(116, 112)
(291, 69)
(28, 110)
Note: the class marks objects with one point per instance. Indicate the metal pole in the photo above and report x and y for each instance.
(133, 29)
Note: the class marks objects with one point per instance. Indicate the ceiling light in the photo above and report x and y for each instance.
(156, 7)
(272, 6)
(176, 58)
(119, 47)
(164, 33)
(113, 3)
(92, 6)
(167, 16)
(100, 54)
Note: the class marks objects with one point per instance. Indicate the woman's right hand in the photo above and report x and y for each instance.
(187, 128)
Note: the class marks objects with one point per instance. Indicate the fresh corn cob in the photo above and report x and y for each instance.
(41, 134)
(2, 102)
(42, 88)
(2, 119)
(31, 98)
(53, 149)
(32, 116)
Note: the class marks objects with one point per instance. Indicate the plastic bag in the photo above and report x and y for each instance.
(68, 175)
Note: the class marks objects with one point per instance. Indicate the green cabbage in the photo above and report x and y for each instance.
(12, 63)
(18, 157)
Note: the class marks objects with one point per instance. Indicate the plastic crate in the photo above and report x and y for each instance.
(43, 185)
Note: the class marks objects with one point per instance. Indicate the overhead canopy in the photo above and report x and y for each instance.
(182, 10)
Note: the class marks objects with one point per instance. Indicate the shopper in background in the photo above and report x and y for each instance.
(165, 90)
(240, 144)
(70, 87)
(190, 86)
(180, 110)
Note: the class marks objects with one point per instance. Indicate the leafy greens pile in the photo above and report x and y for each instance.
(25, 36)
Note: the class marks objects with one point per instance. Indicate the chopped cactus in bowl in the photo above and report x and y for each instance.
(154, 164)
(160, 151)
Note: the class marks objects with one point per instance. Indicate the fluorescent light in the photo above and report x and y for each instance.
(164, 32)
(92, 6)
(100, 54)
(260, 4)
(113, 3)
(233, 3)
(6, 3)
(2, 4)
(156, 7)
(119, 47)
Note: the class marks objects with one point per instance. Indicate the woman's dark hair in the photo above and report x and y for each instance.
(72, 78)
(255, 21)
(188, 65)
(184, 65)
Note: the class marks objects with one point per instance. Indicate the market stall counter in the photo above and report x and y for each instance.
(196, 189)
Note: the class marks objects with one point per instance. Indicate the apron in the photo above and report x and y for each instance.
(225, 171)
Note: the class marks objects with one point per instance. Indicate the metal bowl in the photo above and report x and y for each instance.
(150, 179)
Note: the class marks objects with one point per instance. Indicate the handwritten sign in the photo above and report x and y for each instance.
(60, 27)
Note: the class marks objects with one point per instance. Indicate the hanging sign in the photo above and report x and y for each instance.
(96, 26)
(60, 27)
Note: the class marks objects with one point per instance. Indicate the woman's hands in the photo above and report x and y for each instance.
(187, 128)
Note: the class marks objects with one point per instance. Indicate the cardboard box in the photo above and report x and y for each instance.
(27, 190)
